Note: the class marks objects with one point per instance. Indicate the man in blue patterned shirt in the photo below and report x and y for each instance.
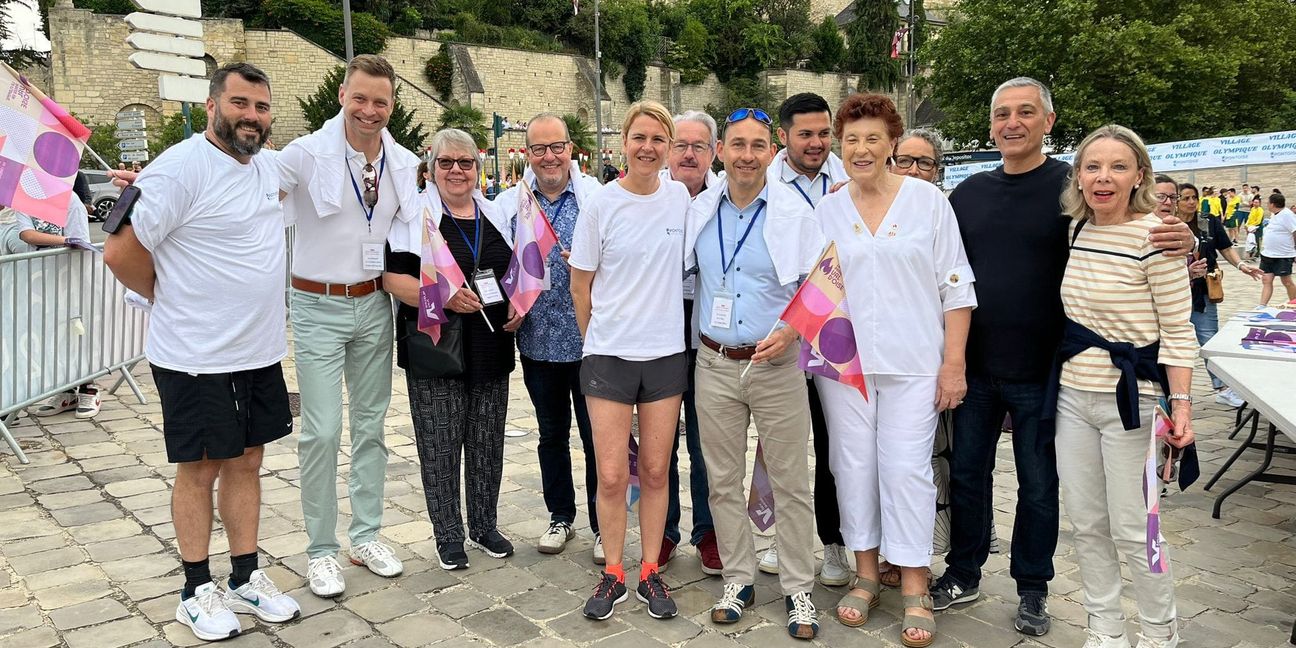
(548, 340)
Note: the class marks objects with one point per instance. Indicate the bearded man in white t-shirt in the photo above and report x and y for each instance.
(204, 243)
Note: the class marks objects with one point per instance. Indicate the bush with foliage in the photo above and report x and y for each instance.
(102, 141)
(323, 105)
(321, 22)
(467, 119)
(440, 72)
(827, 48)
(469, 29)
(868, 40)
(582, 138)
(171, 129)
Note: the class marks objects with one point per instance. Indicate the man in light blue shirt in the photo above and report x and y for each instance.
(751, 243)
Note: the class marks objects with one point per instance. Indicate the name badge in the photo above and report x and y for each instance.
(487, 288)
(722, 310)
(371, 256)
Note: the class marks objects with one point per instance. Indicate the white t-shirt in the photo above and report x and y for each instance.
(1277, 242)
(901, 279)
(329, 250)
(216, 232)
(634, 245)
(77, 226)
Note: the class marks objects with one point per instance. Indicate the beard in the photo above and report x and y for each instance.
(227, 131)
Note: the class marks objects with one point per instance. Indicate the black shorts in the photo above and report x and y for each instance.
(634, 381)
(217, 416)
(1275, 267)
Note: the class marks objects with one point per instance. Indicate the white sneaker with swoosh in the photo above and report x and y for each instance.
(261, 597)
(207, 614)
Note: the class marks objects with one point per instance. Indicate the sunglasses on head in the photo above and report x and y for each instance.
(370, 179)
(743, 113)
(448, 163)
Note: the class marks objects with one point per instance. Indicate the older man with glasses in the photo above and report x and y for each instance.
(548, 341)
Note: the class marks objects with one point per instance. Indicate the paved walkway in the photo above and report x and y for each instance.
(88, 556)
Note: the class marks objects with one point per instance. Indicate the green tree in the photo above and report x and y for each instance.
(631, 37)
(103, 142)
(868, 41)
(467, 119)
(170, 130)
(582, 138)
(1154, 67)
(827, 49)
(322, 105)
(321, 22)
(686, 51)
(119, 7)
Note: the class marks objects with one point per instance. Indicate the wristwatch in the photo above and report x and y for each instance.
(1174, 396)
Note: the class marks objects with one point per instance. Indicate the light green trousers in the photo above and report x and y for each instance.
(336, 337)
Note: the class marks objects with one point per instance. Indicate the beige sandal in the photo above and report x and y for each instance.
(915, 622)
(858, 603)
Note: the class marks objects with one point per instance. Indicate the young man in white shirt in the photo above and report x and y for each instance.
(1278, 249)
(205, 245)
(342, 186)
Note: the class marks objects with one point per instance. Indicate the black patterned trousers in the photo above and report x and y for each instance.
(455, 419)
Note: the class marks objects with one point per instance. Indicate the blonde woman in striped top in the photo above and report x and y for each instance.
(1128, 338)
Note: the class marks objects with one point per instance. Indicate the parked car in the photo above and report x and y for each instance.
(103, 195)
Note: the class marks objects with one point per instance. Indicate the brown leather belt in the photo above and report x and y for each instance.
(338, 290)
(731, 352)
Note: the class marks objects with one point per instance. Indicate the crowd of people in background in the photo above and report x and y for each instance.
(664, 296)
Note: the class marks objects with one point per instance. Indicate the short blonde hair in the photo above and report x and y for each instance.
(652, 109)
(1141, 197)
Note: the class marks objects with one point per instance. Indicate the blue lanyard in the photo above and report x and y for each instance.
(806, 195)
(558, 206)
(366, 209)
(473, 249)
(724, 266)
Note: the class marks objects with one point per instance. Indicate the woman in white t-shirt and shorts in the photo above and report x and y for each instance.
(626, 285)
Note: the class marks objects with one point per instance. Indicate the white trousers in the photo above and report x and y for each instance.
(880, 455)
(1100, 468)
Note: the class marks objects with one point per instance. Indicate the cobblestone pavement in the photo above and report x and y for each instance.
(88, 556)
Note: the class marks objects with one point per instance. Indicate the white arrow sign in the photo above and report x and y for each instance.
(168, 63)
(131, 114)
(134, 156)
(176, 88)
(132, 144)
(187, 8)
(166, 44)
(130, 134)
(130, 124)
(165, 25)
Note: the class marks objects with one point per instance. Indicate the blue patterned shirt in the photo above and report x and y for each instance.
(549, 332)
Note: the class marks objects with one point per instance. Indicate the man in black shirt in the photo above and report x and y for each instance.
(1015, 235)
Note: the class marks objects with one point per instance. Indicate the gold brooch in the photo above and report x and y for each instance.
(858, 228)
(954, 278)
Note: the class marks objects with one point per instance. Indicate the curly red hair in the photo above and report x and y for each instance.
(868, 106)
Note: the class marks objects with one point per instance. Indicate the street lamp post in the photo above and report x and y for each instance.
(598, 84)
(346, 29)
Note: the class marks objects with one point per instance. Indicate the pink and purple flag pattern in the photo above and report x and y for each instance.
(760, 499)
(819, 312)
(533, 239)
(40, 150)
(439, 277)
(1158, 560)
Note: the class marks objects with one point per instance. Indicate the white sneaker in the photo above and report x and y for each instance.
(261, 597)
(836, 568)
(769, 562)
(1228, 397)
(325, 576)
(1099, 640)
(599, 558)
(555, 539)
(56, 404)
(378, 557)
(1152, 642)
(207, 614)
(87, 405)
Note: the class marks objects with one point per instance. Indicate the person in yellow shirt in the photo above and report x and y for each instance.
(1234, 214)
(1255, 226)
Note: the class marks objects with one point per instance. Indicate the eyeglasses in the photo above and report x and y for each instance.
(744, 113)
(447, 163)
(556, 148)
(698, 148)
(1162, 197)
(370, 179)
(905, 161)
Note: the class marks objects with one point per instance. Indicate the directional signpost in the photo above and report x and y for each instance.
(171, 43)
(132, 139)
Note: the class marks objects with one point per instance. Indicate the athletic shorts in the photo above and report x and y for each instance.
(634, 381)
(217, 416)
(1275, 267)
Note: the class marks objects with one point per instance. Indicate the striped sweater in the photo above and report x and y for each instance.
(1122, 288)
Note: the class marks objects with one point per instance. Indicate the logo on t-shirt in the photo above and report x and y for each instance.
(271, 195)
(674, 231)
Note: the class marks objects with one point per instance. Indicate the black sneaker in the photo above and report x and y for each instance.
(494, 544)
(1032, 615)
(452, 555)
(607, 594)
(946, 592)
(655, 593)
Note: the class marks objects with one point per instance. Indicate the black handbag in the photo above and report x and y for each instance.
(444, 359)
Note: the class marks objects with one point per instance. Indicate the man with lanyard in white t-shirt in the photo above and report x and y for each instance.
(809, 167)
(689, 162)
(342, 186)
(204, 243)
(751, 242)
(548, 341)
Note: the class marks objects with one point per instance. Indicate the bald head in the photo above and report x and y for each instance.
(552, 170)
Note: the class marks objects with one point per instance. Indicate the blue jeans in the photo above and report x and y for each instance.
(554, 388)
(1206, 324)
(698, 488)
(977, 424)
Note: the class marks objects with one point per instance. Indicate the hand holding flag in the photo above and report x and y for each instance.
(533, 240)
(439, 277)
(819, 312)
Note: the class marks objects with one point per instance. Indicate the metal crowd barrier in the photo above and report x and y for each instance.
(63, 322)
